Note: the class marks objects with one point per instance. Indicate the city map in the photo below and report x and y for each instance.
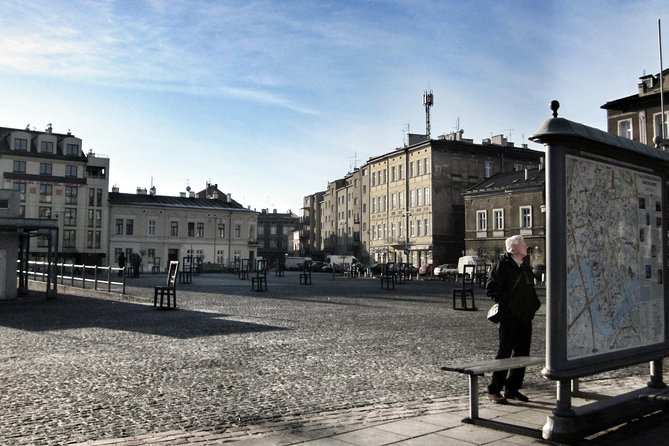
(614, 251)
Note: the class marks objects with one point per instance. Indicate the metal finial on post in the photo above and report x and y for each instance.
(555, 105)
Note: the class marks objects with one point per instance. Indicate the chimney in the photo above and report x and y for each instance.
(228, 198)
(115, 189)
(141, 191)
(153, 191)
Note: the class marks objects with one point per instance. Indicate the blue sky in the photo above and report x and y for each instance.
(273, 99)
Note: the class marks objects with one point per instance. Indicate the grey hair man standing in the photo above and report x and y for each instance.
(511, 285)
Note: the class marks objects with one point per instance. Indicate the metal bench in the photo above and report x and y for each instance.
(476, 369)
(168, 291)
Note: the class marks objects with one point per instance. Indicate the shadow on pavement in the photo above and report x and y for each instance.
(67, 312)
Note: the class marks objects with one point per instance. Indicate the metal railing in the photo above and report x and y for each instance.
(99, 278)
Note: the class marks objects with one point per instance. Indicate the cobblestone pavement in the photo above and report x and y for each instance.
(78, 368)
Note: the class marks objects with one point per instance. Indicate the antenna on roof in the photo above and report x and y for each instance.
(428, 102)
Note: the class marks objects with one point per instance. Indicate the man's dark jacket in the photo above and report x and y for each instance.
(519, 302)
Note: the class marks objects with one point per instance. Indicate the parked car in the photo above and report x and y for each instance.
(425, 269)
(446, 271)
(539, 273)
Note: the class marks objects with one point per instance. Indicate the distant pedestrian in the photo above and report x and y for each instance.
(121, 263)
(511, 285)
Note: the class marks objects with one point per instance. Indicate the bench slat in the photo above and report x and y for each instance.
(494, 365)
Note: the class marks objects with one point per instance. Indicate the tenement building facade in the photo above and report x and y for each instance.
(639, 117)
(408, 204)
(208, 226)
(57, 181)
(503, 205)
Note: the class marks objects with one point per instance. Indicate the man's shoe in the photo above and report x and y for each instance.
(496, 398)
(516, 395)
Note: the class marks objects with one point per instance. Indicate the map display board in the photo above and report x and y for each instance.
(614, 258)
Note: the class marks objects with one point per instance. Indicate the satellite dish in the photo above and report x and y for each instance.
(187, 188)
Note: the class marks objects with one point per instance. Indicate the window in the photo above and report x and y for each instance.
(488, 166)
(525, 217)
(411, 230)
(200, 230)
(70, 217)
(70, 171)
(400, 200)
(174, 229)
(21, 144)
(98, 218)
(221, 230)
(252, 232)
(45, 191)
(625, 128)
(418, 168)
(71, 193)
(69, 238)
(400, 230)
(44, 212)
(238, 231)
(98, 196)
(426, 166)
(411, 169)
(89, 239)
(46, 147)
(481, 220)
(19, 166)
(21, 188)
(659, 125)
(498, 219)
(400, 172)
(191, 229)
(152, 227)
(425, 227)
(393, 173)
(129, 226)
(98, 237)
(393, 201)
(151, 253)
(426, 196)
(90, 219)
(45, 168)
(119, 226)
(91, 197)
(72, 149)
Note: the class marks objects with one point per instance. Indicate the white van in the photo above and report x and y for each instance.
(469, 260)
(296, 263)
(338, 260)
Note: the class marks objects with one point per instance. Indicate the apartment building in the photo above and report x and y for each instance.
(639, 116)
(56, 180)
(309, 232)
(503, 205)
(275, 230)
(208, 225)
(410, 201)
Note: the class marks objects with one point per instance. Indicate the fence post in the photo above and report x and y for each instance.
(109, 276)
(95, 277)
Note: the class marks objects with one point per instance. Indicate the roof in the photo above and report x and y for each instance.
(118, 198)
(519, 179)
(561, 130)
